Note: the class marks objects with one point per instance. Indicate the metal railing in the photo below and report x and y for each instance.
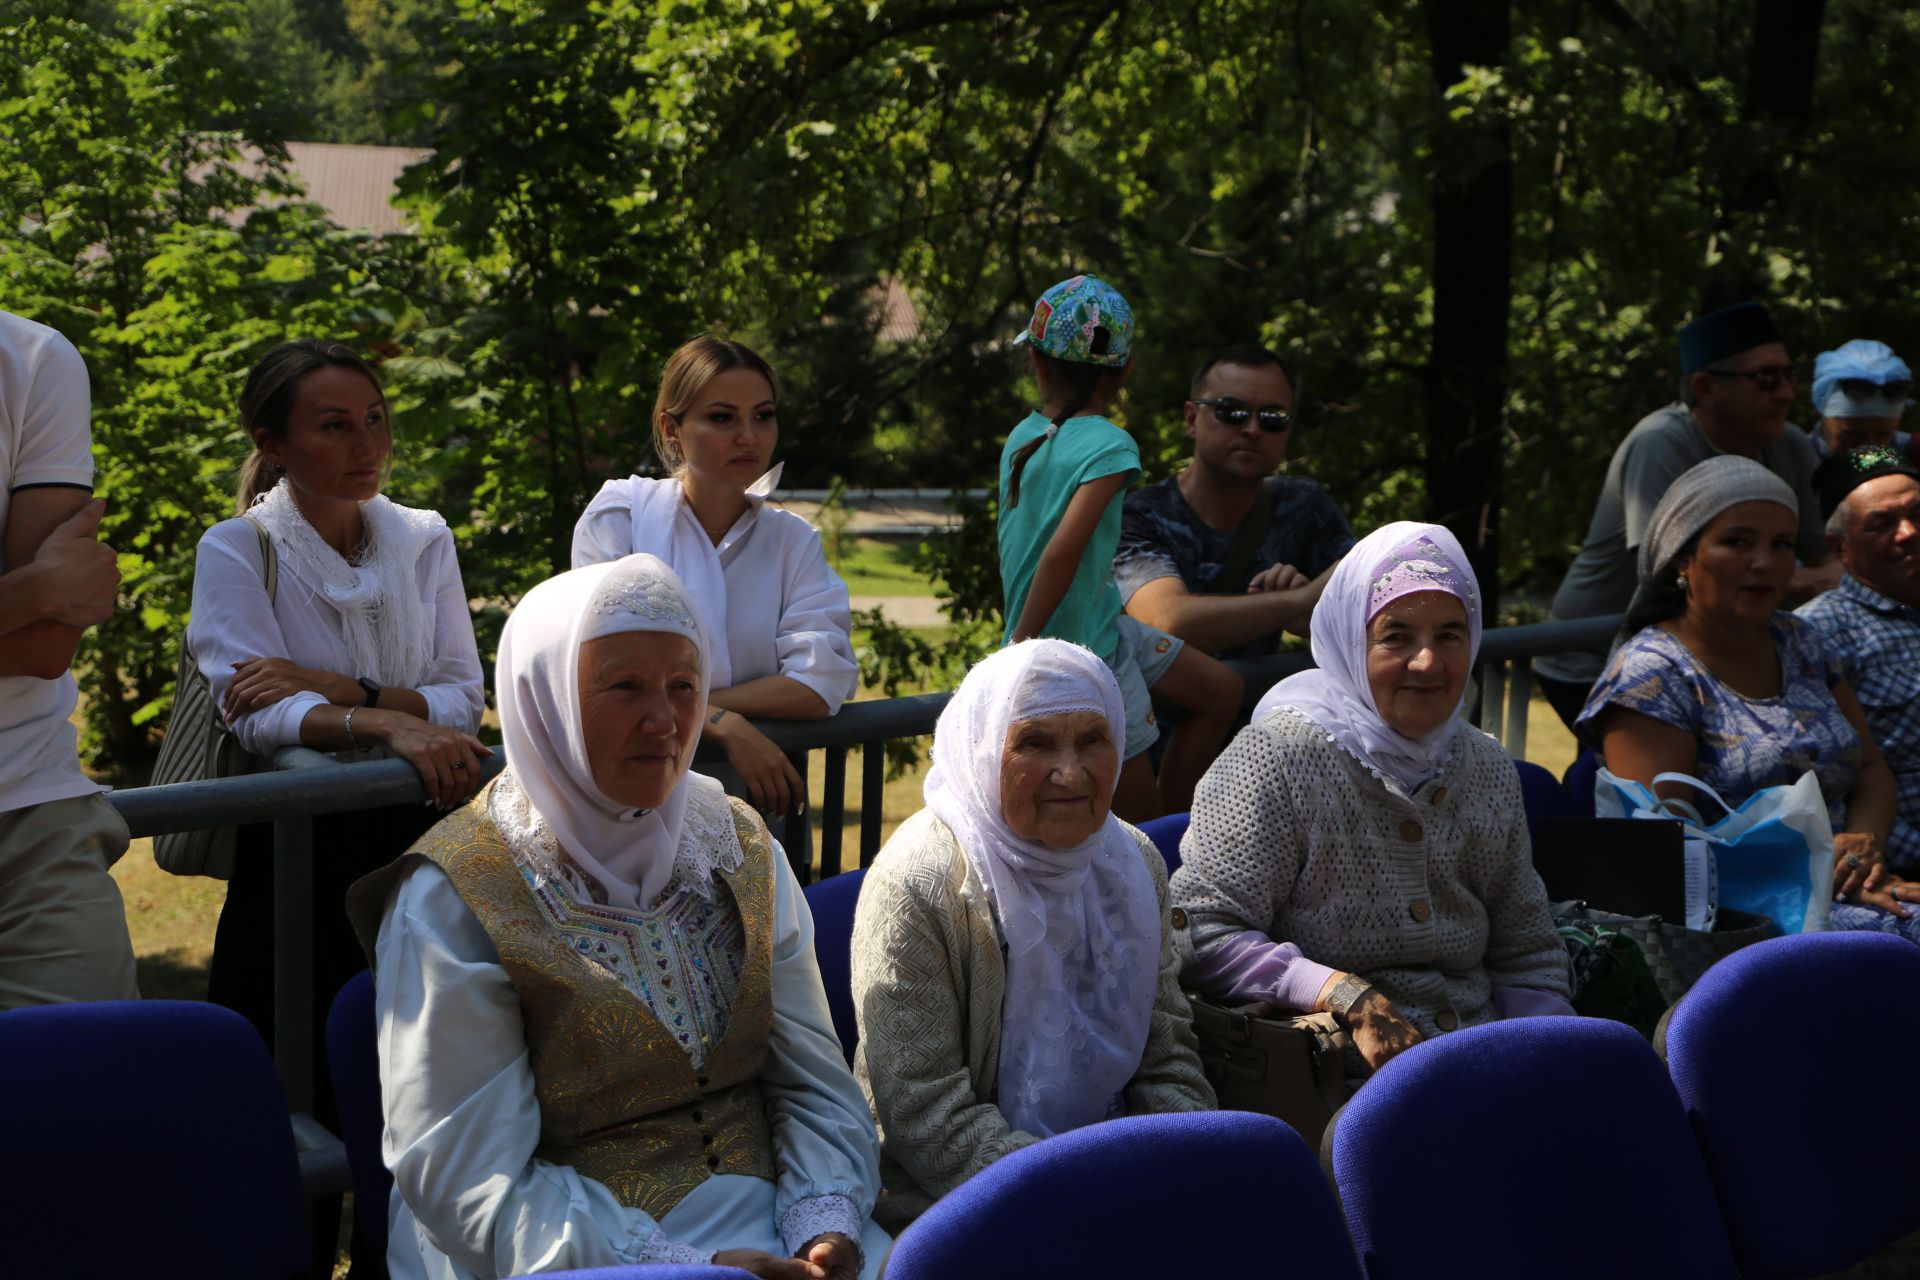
(304, 784)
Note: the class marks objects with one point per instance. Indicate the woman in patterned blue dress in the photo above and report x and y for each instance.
(1714, 681)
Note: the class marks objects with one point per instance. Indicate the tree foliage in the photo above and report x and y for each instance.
(607, 179)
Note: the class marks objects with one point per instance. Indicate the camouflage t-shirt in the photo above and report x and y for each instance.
(1162, 537)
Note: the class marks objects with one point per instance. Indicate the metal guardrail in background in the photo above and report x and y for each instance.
(305, 783)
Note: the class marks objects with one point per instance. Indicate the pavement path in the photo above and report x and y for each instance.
(904, 611)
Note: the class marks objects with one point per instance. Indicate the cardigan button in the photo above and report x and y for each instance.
(701, 1081)
(1178, 917)
(1421, 911)
(1411, 831)
(696, 1116)
(713, 1162)
(1446, 1019)
(706, 1139)
(1439, 794)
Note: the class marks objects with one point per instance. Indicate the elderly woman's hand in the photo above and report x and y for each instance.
(448, 760)
(769, 1266)
(1858, 865)
(1378, 1030)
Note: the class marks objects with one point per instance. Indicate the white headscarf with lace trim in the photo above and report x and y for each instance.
(546, 804)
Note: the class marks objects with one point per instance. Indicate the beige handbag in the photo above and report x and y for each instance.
(1292, 1068)
(198, 746)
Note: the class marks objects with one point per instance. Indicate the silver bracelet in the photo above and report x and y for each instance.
(348, 726)
(1347, 993)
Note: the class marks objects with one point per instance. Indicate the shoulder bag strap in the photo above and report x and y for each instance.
(1236, 572)
(269, 560)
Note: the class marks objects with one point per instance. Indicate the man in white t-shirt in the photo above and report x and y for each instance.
(63, 926)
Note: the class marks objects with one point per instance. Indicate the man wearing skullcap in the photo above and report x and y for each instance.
(1871, 620)
(1736, 386)
(1860, 390)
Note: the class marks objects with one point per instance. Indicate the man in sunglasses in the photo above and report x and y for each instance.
(1871, 621)
(1736, 387)
(1860, 391)
(1225, 554)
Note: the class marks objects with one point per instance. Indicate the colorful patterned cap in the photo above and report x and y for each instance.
(1083, 321)
(1841, 474)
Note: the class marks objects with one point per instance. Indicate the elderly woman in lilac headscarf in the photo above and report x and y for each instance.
(1013, 966)
(1358, 849)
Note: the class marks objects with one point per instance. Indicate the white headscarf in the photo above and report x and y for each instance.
(546, 804)
(1081, 925)
(387, 627)
(664, 525)
(1395, 560)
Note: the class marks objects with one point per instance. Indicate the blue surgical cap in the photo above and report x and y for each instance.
(1861, 358)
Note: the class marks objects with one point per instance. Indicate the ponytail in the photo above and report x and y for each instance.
(1032, 447)
(1075, 384)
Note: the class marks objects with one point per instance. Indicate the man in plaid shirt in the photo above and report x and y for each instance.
(1871, 497)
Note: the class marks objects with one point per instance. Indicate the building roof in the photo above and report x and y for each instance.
(355, 184)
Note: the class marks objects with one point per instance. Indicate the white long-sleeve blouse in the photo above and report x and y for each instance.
(787, 610)
(233, 621)
(463, 1121)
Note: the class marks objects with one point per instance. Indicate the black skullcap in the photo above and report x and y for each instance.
(1841, 474)
(1726, 332)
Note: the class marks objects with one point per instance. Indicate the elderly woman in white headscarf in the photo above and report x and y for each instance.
(1013, 967)
(603, 1038)
(1358, 849)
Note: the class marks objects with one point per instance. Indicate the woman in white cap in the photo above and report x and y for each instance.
(603, 1038)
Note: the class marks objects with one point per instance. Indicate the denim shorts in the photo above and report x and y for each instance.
(1141, 658)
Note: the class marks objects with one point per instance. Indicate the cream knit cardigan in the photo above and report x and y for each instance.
(929, 981)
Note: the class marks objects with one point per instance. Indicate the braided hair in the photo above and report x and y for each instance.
(1075, 385)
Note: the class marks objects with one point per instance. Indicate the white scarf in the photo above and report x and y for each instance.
(547, 805)
(664, 525)
(387, 628)
(1395, 560)
(1081, 925)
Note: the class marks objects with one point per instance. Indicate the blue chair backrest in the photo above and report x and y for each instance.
(832, 902)
(1165, 834)
(354, 1061)
(1532, 1147)
(1543, 797)
(1579, 782)
(1241, 1192)
(1790, 1056)
(145, 1137)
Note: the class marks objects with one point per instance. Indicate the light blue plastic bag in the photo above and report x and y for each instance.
(1772, 856)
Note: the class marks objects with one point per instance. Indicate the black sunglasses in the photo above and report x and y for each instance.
(1234, 413)
(1867, 389)
(1766, 378)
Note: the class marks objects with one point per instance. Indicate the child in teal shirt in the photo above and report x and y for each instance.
(1063, 473)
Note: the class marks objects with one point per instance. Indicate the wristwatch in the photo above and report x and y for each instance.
(1346, 993)
(373, 690)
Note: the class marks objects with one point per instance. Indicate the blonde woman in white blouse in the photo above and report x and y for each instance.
(366, 646)
(780, 618)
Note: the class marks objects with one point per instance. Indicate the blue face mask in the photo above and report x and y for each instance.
(1879, 405)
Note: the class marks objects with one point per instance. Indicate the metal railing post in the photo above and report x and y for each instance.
(833, 811)
(1519, 704)
(293, 958)
(794, 829)
(873, 785)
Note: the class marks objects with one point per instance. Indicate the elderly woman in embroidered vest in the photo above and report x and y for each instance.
(603, 1038)
(1013, 971)
(364, 646)
(781, 624)
(1357, 848)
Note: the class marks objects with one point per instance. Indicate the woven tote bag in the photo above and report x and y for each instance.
(198, 746)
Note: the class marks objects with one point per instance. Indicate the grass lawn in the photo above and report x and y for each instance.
(882, 567)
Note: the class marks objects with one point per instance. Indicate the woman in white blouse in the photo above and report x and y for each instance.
(779, 614)
(603, 1037)
(365, 647)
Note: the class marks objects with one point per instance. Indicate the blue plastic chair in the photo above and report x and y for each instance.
(832, 902)
(354, 1061)
(1208, 1193)
(1166, 834)
(1579, 782)
(145, 1137)
(1772, 1051)
(1543, 796)
(651, 1271)
(1533, 1147)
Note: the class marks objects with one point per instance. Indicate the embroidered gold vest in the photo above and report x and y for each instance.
(619, 1101)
